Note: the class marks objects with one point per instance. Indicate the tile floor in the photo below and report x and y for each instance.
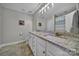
(21, 49)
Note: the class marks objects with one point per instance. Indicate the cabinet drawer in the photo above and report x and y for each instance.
(56, 50)
(40, 50)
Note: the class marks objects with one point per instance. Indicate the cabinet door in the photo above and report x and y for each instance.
(30, 41)
(48, 53)
(40, 50)
(0, 32)
(56, 50)
(41, 47)
(42, 42)
(34, 45)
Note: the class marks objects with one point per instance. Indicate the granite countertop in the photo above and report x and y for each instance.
(65, 41)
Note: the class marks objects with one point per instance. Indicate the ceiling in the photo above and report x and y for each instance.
(29, 8)
(59, 9)
(32, 8)
(63, 7)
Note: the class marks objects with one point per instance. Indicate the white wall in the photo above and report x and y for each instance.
(11, 28)
(0, 24)
(50, 24)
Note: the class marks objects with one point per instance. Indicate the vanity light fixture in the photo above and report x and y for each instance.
(41, 10)
(52, 4)
(45, 10)
(47, 7)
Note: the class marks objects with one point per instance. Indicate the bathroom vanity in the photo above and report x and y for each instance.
(46, 44)
(63, 39)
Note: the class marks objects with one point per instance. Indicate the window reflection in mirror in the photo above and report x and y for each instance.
(67, 25)
(59, 25)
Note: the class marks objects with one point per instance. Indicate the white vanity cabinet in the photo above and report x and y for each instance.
(55, 50)
(34, 45)
(48, 53)
(40, 50)
(41, 47)
(30, 41)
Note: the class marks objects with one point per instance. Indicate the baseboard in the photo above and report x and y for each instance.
(3, 45)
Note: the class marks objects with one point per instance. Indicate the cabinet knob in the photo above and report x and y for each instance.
(44, 52)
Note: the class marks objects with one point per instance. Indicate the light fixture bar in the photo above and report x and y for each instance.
(44, 7)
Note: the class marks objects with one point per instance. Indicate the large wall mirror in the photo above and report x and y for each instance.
(68, 24)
